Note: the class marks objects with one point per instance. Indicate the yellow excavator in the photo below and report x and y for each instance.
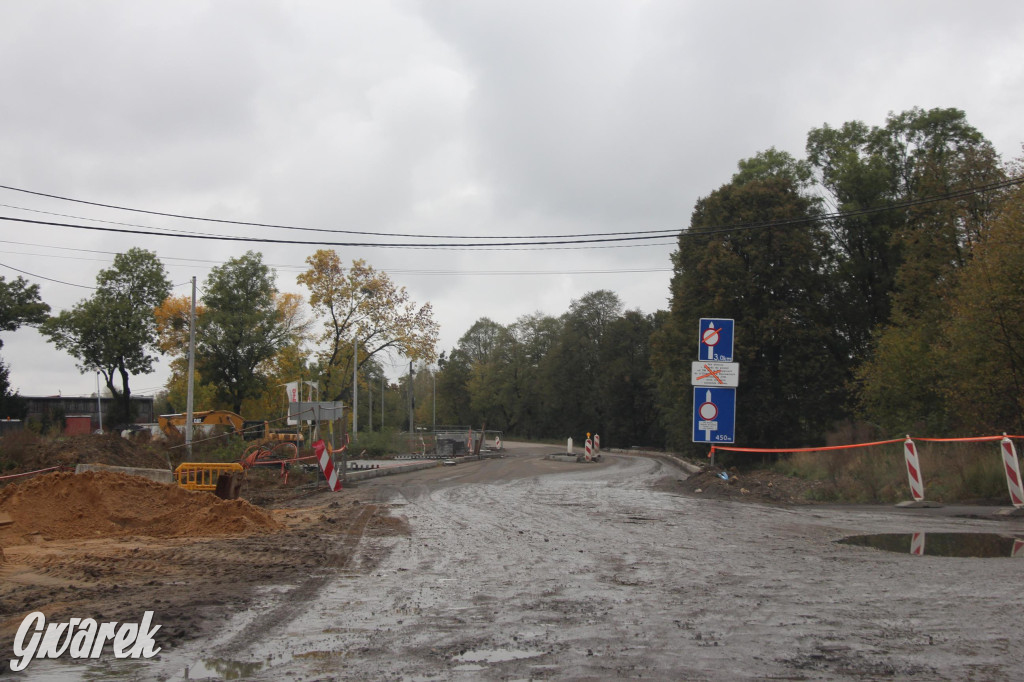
(248, 429)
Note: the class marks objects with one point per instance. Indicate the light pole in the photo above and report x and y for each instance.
(433, 377)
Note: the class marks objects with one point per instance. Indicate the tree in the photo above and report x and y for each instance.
(773, 281)
(981, 345)
(242, 329)
(925, 154)
(114, 331)
(363, 306)
(624, 381)
(19, 305)
(572, 367)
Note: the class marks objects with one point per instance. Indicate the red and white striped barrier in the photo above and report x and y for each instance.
(913, 470)
(588, 455)
(597, 443)
(1012, 466)
(917, 544)
(323, 456)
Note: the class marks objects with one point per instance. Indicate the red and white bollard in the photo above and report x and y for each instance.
(1012, 466)
(597, 443)
(913, 470)
(917, 544)
(589, 450)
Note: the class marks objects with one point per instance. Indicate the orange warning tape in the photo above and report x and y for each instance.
(33, 473)
(972, 439)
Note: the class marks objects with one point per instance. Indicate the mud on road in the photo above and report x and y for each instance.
(523, 568)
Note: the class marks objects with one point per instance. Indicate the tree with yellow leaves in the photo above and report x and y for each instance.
(364, 306)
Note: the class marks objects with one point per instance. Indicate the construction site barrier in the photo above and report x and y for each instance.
(1011, 464)
(203, 475)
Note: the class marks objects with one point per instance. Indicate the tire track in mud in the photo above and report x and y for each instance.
(296, 599)
(596, 573)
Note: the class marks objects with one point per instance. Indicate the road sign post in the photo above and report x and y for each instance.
(715, 378)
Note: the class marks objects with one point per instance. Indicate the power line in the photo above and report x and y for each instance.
(267, 240)
(48, 279)
(301, 229)
(555, 242)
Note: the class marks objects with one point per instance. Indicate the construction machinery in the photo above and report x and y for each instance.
(249, 430)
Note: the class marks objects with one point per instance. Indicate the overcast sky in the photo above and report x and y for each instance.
(441, 118)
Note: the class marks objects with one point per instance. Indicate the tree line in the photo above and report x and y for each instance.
(878, 280)
(250, 337)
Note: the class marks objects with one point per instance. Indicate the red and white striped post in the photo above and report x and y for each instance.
(597, 442)
(1012, 466)
(326, 466)
(917, 544)
(589, 446)
(913, 470)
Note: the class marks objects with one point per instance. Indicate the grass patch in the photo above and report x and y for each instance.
(953, 472)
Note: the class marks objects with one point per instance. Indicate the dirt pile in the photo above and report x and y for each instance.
(759, 485)
(100, 504)
(26, 451)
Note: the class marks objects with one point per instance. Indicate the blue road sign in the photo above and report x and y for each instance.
(715, 339)
(714, 415)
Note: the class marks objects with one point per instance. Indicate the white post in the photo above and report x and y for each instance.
(568, 446)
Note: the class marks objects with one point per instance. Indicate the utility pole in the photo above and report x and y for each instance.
(433, 378)
(99, 405)
(191, 372)
(355, 385)
(412, 400)
(382, 401)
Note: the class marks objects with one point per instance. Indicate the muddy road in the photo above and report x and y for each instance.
(524, 568)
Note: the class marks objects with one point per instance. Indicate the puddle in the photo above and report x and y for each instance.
(968, 545)
(497, 655)
(222, 669)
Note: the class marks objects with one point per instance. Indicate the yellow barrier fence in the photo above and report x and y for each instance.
(203, 475)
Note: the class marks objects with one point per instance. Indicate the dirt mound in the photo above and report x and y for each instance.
(27, 451)
(100, 504)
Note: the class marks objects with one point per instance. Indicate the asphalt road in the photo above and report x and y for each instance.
(523, 568)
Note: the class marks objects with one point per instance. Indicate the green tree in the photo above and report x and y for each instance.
(928, 154)
(982, 339)
(571, 369)
(625, 382)
(241, 330)
(774, 282)
(19, 305)
(114, 331)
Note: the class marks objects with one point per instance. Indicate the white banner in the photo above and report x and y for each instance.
(292, 389)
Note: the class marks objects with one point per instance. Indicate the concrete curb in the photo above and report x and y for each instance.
(664, 457)
(158, 475)
(388, 471)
